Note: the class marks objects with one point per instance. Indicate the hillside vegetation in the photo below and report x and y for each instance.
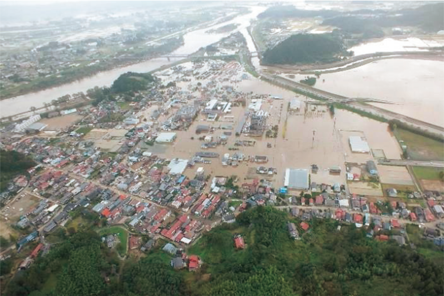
(132, 82)
(326, 261)
(306, 48)
(12, 163)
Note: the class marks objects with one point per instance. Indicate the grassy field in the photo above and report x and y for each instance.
(121, 233)
(124, 105)
(218, 247)
(78, 223)
(420, 147)
(235, 203)
(427, 173)
(432, 254)
(403, 190)
(84, 130)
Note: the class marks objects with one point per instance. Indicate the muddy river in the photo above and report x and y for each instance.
(193, 41)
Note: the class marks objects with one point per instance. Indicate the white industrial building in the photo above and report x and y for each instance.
(255, 105)
(166, 138)
(296, 179)
(295, 105)
(177, 166)
(21, 127)
(357, 144)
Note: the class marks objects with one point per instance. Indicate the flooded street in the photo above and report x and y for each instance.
(414, 86)
(305, 137)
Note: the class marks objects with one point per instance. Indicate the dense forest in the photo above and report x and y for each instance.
(12, 163)
(125, 86)
(132, 82)
(306, 49)
(326, 261)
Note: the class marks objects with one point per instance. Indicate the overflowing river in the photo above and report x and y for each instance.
(415, 86)
(193, 41)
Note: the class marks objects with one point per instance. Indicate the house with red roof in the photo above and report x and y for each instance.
(304, 226)
(429, 216)
(382, 237)
(395, 223)
(134, 242)
(319, 200)
(239, 242)
(412, 217)
(36, 251)
(106, 212)
(340, 214)
(357, 218)
(194, 262)
(431, 202)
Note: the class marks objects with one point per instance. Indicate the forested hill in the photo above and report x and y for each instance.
(326, 261)
(12, 163)
(428, 17)
(132, 82)
(306, 49)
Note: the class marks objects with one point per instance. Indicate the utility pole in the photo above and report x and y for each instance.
(312, 142)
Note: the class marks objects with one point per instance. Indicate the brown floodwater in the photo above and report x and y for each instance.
(415, 87)
(310, 136)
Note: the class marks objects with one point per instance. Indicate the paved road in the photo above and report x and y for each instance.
(405, 162)
(334, 98)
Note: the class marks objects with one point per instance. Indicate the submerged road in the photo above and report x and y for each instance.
(354, 103)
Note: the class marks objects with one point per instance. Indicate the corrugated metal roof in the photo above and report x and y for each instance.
(296, 178)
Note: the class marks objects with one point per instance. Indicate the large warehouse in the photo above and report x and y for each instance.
(296, 179)
(166, 138)
(357, 144)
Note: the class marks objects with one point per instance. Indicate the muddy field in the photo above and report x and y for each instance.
(61, 122)
(21, 205)
(433, 185)
(395, 175)
(365, 188)
(109, 140)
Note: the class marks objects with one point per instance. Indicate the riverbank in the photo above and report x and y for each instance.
(352, 63)
(83, 73)
(86, 73)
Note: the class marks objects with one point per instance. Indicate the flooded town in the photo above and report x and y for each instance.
(156, 129)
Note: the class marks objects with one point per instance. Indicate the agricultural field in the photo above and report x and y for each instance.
(430, 178)
(420, 147)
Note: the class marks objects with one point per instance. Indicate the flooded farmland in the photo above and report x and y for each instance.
(397, 45)
(413, 86)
